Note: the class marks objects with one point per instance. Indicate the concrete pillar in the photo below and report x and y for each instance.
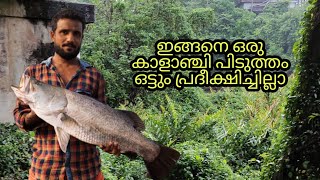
(24, 40)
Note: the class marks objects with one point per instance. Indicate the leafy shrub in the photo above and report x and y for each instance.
(201, 161)
(171, 119)
(122, 167)
(15, 152)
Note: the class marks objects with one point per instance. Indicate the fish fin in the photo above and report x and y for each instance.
(63, 138)
(163, 164)
(138, 124)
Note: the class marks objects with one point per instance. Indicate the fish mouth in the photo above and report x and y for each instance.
(25, 84)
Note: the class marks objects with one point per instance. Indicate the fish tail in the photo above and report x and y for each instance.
(163, 164)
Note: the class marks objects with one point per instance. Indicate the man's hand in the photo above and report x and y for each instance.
(32, 121)
(112, 148)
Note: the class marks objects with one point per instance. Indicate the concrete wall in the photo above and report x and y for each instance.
(24, 40)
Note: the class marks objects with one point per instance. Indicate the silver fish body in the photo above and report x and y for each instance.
(91, 121)
(103, 124)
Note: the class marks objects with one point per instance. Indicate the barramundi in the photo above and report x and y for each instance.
(93, 122)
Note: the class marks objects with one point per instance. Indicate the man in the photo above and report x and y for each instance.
(82, 160)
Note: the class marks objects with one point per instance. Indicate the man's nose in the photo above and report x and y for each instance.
(70, 37)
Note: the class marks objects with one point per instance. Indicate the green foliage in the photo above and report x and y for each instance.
(122, 167)
(223, 20)
(201, 20)
(279, 137)
(278, 8)
(279, 29)
(126, 29)
(243, 127)
(15, 152)
(301, 160)
(170, 116)
(202, 161)
(244, 130)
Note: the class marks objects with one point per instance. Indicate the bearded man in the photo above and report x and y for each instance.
(64, 69)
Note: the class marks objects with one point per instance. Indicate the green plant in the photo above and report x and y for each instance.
(15, 152)
(202, 161)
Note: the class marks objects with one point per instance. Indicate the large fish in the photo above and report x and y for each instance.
(93, 122)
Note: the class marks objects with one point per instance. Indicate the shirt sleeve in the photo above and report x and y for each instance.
(101, 89)
(21, 110)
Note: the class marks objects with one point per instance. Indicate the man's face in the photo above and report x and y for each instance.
(67, 38)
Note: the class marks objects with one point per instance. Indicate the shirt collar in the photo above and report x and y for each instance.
(83, 64)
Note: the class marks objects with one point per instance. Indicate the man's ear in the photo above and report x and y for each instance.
(52, 36)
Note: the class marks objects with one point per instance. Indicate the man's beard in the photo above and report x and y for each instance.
(66, 55)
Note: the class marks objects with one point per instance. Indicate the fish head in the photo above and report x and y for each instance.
(22, 91)
(32, 91)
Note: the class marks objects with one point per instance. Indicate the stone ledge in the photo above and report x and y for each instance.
(42, 10)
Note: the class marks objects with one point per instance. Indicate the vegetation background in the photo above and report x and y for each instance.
(222, 133)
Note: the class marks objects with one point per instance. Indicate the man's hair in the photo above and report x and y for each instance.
(67, 14)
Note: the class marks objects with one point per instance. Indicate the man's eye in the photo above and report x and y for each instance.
(64, 32)
(77, 34)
